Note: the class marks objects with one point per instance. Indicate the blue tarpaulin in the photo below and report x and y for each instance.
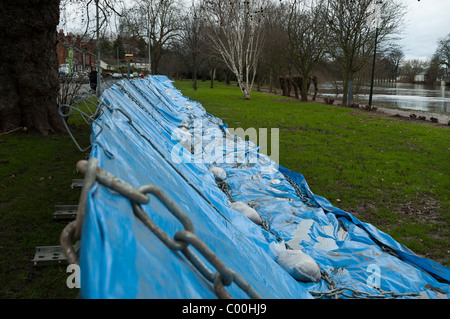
(162, 138)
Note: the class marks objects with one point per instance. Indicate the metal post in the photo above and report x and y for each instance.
(149, 43)
(99, 73)
(373, 67)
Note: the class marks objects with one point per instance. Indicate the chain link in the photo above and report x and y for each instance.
(335, 293)
(304, 198)
(182, 241)
(73, 229)
(225, 187)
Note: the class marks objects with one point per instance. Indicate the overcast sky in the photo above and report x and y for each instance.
(426, 22)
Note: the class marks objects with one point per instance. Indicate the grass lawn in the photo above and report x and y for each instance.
(385, 171)
(388, 172)
(35, 175)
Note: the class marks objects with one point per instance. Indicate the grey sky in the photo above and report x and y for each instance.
(426, 22)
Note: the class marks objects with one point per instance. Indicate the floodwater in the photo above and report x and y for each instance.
(419, 97)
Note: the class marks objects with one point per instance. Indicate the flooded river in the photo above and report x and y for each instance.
(419, 97)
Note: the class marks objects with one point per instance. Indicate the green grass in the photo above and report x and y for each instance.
(35, 175)
(387, 172)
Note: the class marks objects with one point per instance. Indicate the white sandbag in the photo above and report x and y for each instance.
(218, 172)
(181, 134)
(184, 124)
(247, 211)
(298, 264)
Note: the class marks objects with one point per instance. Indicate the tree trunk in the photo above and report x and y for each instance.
(29, 80)
(156, 53)
(304, 90)
(344, 92)
(213, 75)
(195, 79)
(270, 81)
(348, 76)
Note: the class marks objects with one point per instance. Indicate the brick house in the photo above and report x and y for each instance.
(83, 56)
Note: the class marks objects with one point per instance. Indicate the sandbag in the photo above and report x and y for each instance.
(184, 124)
(219, 173)
(298, 264)
(247, 211)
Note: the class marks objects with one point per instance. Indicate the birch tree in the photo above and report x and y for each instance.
(352, 40)
(233, 29)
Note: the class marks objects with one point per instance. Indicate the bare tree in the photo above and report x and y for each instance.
(308, 35)
(93, 16)
(157, 20)
(394, 57)
(352, 41)
(83, 14)
(274, 59)
(233, 30)
(190, 44)
(411, 68)
(435, 71)
(443, 51)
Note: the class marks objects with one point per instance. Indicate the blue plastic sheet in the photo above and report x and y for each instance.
(121, 258)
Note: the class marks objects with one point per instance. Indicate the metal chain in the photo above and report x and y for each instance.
(73, 229)
(335, 293)
(225, 187)
(181, 241)
(304, 198)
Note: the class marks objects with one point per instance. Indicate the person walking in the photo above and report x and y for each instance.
(93, 79)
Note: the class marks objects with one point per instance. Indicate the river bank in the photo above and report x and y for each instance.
(416, 116)
(410, 96)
